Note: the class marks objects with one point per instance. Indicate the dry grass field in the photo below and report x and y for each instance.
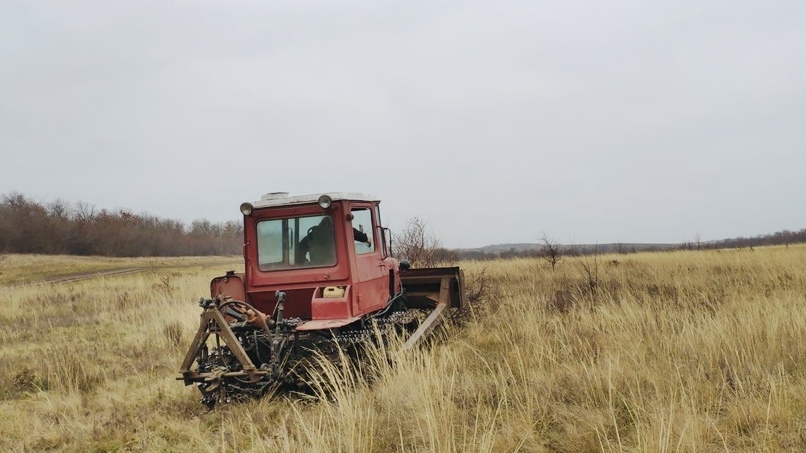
(657, 352)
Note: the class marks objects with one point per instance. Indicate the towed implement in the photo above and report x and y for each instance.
(318, 279)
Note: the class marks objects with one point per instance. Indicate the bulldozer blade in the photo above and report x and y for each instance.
(433, 320)
(436, 288)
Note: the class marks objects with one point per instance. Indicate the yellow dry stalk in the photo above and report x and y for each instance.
(675, 351)
(24, 270)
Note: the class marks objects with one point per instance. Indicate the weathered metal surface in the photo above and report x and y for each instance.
(431, 286)
(273, 200)
(432, 321)
(213, 323)
(325, 324)
(263, 327)
(438, 288)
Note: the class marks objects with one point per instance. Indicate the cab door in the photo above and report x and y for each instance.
(371, 271)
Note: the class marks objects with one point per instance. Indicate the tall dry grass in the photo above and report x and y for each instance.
(683, 351)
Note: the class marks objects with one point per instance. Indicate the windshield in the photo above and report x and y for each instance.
(296, 242)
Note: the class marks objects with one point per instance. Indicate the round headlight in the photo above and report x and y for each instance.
(325, 201)
(246, 208)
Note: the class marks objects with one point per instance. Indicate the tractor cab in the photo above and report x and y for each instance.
(327, 253)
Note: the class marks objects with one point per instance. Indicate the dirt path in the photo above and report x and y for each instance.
(79, 277)
(109, 273)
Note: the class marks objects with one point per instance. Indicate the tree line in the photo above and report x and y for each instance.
(59, 227)
(550, 249)
(784, 237)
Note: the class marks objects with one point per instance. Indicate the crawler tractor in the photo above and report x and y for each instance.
(319, 278)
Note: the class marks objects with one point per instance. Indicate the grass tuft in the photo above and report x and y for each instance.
(679, 351)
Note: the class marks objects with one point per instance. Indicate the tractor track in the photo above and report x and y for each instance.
(81, 277)
(92, 275)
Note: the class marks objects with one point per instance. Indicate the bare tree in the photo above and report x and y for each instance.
(84, 212)
(590, 267)
(417, 244)
(550, 250)
(422, 249)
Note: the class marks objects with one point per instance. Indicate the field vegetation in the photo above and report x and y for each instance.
(674, 351)
(32, 270)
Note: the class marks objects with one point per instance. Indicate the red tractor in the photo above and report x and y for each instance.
(319, 276)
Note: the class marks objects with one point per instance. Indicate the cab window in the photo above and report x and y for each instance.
(363, 237)
(295, 242)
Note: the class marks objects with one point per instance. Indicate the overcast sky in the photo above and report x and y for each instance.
(591, 121)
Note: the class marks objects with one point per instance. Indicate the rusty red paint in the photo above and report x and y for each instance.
(365, 276)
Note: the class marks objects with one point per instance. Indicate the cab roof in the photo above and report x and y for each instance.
(284, 199)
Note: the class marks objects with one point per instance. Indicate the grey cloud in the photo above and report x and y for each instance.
(593, 121)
